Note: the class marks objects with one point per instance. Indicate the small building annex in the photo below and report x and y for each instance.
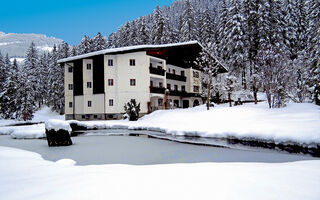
(98, 84)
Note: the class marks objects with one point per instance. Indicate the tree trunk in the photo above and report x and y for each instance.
(255, 95)
(268, 98)
(229, 98)
(208, 97)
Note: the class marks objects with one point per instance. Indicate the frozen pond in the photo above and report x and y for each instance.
(95, 149)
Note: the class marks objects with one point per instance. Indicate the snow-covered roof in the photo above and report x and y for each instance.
(124, 49)
(136, 48)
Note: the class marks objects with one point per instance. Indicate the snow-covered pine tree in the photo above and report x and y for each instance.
(313, 50)
(56, 82)
(12, 105)
(85, 46)
(251, 27)
(188, 30)
(3, 77)
(124, 39)
(74, 51)
(206, 28)
(112, 41)
(159, 27)
(5, 66)
(99, 42)
(64, 50)
(43, 78)
(133, 35)
(221, 42)
(28, 91)
(236, 41)
(143, 31)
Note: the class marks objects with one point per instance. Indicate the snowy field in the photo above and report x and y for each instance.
(26, 175)
(296, 123)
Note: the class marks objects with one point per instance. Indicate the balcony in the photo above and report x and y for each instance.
(176, 77)
(178, 93)
(158, 71)
(158, 90)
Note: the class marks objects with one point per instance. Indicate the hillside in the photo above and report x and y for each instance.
(16, 44)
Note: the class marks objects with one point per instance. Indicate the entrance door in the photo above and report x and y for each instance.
(185, 103)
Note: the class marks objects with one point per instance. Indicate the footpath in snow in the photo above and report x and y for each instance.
(25, 175)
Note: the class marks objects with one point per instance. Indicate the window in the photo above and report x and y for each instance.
(175, 87)
(195, 74)
(151, 83)
(132, 62)
(182, 73)
(195, 88)
(183, 88)
(173, 71)
(88, 66)
(95, 116)
(132, 82)
(160, 84)
(89, 104)
(89, 85)
(169, 70)
(160, 102)
(83, 116)
(70, 87)
(110, 102)
(150, 64)
(70, 104)
(110, 62)
(110, 82)
(168, 86)
(70, 69)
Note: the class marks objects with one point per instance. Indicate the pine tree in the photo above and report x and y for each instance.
(159, 27)
(143, 32)
(221, 32)
(85, 46)
(99, 42)
(206, 29)
(188, 28)
(236, 41)
(313, 50)
(56, 81)
(133, 37)
(11, 107)
(28, 88)
(64, 50)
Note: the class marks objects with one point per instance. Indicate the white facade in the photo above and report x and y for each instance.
(135, 74)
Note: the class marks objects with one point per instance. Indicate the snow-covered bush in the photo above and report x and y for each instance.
(132, 110)
(58, 133)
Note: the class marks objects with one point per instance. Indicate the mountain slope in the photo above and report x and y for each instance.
(16, 44)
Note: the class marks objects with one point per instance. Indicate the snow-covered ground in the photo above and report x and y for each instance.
(41, 115)
(296, 123)
(25, 175)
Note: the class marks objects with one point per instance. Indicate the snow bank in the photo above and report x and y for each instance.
(54, 124)
(24, 132)
(40, 179)
(296, 123)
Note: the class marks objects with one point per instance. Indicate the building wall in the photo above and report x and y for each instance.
(192, 81)
(121, 72)
(68, 94)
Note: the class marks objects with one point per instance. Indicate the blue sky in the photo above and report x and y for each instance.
(70, 20)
